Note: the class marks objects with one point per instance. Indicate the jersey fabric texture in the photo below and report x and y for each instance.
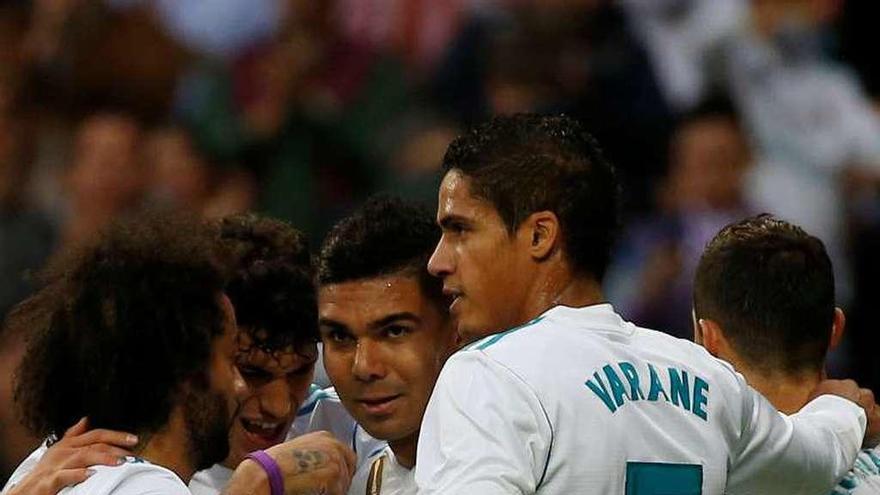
(864, 477)
(134, 477)
(580, 401)
(383, 475)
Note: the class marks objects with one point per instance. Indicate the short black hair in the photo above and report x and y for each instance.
(525, 163)
(770, 286)
(385, 236)
(273, 286)
(122, 324)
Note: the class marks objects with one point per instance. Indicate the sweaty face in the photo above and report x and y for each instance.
(483, 267)
(278, 382)
(384, 346)
(213, 399)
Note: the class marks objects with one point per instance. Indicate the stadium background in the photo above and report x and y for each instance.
(711, 109)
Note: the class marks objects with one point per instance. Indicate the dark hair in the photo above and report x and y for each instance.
(386, 235)
(122, 324)
(527, 163)
(770, 287)
(273, 287)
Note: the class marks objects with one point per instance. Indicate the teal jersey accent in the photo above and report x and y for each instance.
(651, 478)
(865, 470)
(626, 386)
(486, 342)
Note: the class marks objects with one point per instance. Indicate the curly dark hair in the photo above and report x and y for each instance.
(770, 286)
(273, 286)
(122, 324)
(386, 235)
(525, 163)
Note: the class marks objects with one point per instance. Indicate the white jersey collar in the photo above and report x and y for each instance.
(600, 317)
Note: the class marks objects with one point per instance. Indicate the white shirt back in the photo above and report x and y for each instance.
(135, 477)
(579, 401)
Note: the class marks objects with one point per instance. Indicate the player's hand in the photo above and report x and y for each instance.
(311, 464)
(67, 461)
(848, 389)
(872, 433)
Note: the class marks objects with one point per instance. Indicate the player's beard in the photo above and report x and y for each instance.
(207, 415)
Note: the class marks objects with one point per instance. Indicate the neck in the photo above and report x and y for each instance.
(405, 450)
(787, 392)
(558, 285)
(168, 448)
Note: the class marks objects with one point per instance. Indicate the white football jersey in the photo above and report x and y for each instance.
(864, 477)
(382, 475)
(323, 411)
(580, 401)
(134, 477)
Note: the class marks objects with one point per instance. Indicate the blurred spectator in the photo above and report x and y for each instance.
(809, 120)
(415, 147)
(106, 176)
(26, 237)
(681, 37)
(235, 191)
(82, 54)
(178, 177)
(26, 240)
(215, 28)
(417, 31)
(652, 275)
(181, 178)
(574, 56)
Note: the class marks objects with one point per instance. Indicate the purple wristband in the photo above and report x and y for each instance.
(276, 480)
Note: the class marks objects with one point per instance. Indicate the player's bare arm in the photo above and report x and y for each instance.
(310, 464)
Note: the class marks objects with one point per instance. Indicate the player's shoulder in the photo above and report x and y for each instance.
(210, 481)
(498, 343)
(134, 476)
(25, 467)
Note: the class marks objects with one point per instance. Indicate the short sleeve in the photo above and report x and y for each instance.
(484, 431)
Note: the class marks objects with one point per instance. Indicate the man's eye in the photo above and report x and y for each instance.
(339, 337)
(396, 331)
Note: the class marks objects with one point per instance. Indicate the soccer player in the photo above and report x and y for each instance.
(559, 394)
(764, 302)
(273, 293)
(386, 331)
(138, 337)
(268, 253)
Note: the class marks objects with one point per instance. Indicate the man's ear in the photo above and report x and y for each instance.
(711, 336)
(838, 327)
(543, 234)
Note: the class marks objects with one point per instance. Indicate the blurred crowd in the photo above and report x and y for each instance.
(300, 109)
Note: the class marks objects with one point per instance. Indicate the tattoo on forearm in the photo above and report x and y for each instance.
(307, 460)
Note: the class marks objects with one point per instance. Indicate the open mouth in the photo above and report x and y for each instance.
(264, 433)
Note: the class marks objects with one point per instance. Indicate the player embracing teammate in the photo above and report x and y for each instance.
(555, 393)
